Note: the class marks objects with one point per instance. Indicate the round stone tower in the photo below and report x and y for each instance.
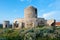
(30, 12)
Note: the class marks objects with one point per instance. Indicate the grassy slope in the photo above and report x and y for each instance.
(27, 34)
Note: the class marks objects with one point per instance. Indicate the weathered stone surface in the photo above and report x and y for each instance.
(51, 22)
(31, 20)
(6, 24)
(30, 12)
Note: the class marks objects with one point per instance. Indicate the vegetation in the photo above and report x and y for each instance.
(37, 33)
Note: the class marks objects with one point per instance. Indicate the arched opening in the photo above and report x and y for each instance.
(16, 24)
(41, 23)
(23, 25)
(6, 25)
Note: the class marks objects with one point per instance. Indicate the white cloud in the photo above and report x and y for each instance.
(52, 15)
(48, 15)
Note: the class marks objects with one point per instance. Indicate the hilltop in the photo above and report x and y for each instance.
(38, 33)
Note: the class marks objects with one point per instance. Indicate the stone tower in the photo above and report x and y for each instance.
(6, 24)
(30, 12)
(30, 16)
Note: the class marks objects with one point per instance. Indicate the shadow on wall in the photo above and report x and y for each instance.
(1, 25)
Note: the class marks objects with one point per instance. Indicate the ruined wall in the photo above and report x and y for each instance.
(6, 24)
(31, 22)
(51, 22)
(41, 21)
(20, 23)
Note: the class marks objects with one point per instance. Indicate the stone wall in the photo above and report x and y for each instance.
(6, 24)
(20, 23)
(31, 22)
(51, 22)
(41, 21)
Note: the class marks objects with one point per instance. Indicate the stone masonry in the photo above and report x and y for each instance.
(30, 20)
(6, 24)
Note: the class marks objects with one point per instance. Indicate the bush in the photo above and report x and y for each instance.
(36, 33)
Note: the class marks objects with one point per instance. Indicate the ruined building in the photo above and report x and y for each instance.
(30, 19)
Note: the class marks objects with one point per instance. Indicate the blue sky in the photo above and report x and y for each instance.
(12, 9)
